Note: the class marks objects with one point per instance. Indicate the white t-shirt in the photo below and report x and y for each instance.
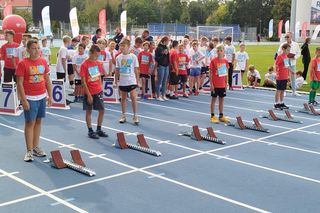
(294, 49)
(270, 76)
(126, 65)
(77, 60)
(209, 56)
(106, 64)
(46, 52)
(241, 59)
(70, 55)
(229, 50)
(21, 52)
(255, 74)
(135, 50)
(194, 58)
(63, 52)
(299, 82)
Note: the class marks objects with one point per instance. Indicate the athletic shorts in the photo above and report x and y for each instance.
(183, 78)
(61, 76)
(77, 82)
(194, 72)
(282, 84)
(173, 78)
(219, 92)
(70, 69)
(144, 76)
(315, 85)
(243, 71)
(97, 103)
(9, 75)
(127, 88)
(204, 70)
(37, 110)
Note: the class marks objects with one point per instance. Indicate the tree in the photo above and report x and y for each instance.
(281, 10)
(220, 16)
(141, 12)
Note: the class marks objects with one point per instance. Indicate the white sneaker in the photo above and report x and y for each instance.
(122, 119)
(165, 98)
(305, 83)
(37, 151)
(28, 157)
(136, 120)
(160, 99)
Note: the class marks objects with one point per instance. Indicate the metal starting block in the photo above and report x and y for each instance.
(142, 144)
(256, 126)
(76, 164)
(196, 135)
(313, 110)
(287, 117)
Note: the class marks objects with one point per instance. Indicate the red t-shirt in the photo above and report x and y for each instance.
(282, 71)
(315, 68)
(8, 51)
(145, 59)
(219, 70)
(182, 59)
(33, 72)
(172, 58)
(91, 71)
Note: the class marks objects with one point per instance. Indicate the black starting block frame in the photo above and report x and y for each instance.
(309, 109)
(287, 117)
(256, 125)
(141, 146)
(76, 164)
(196, 135)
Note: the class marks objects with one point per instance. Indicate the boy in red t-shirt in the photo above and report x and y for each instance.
(174, 72)
(315, 77)
(218, 82)
(90, 72)
(282, 67)
(144, 59)
(182, 62)
(8, 54)
(34, 86)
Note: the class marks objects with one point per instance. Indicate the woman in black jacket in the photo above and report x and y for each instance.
(162, 59)
(306, 58)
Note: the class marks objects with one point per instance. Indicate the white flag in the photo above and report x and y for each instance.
(123, 22)
(45, 13)
(74, 22)
(297, 31)
(271, 28)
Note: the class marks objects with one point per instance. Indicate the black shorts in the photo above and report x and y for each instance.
(221, 92)
(70, 69)
(243, 71)
(204, 70)
(77, 82)
(8, 75)
(173, 78)
(144, 76)
(183, 78)
(97, 103)
(282, 84)
(61, 76)
(127, 88)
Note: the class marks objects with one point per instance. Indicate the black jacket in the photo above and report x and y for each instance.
(117, 39)
(305, 52)
(162, 55)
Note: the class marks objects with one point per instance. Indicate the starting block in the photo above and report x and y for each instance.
(9, 103)
(287, 117)
(313, 110)
(60, 163)
(256, 126)
(196, 135)
(142, 144)
(305, 109)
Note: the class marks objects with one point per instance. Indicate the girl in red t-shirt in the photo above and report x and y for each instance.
(218, 82)
(144, 59)
(282, 73)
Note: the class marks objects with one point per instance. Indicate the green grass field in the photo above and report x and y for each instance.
(261, 56)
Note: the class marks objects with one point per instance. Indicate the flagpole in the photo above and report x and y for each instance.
(293, 17)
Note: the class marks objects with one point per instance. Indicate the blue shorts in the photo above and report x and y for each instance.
(194, 72)
(37, 110)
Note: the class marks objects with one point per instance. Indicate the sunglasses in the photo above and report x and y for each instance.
(286, 37)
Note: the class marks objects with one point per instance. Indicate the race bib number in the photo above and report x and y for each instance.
(286, 62)
(11, 52)
(94, 73)
(125, 66)
(79, 61)
(318, 68)
(145, 59)
(222, 70)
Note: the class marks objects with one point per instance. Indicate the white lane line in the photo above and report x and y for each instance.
(153, 176)
(11, 173)
(67, 200)
(41, 191)
(66, 146)
(97, 156)
(222, 157)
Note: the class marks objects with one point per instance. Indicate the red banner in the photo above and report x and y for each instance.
(7, 10)
(304, 30)
(280, 28)
(102, 21)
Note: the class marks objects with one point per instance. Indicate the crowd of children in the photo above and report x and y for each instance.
(171, 69)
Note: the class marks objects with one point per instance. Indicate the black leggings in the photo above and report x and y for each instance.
(230, 71)
(305, 70)
(153, 83)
